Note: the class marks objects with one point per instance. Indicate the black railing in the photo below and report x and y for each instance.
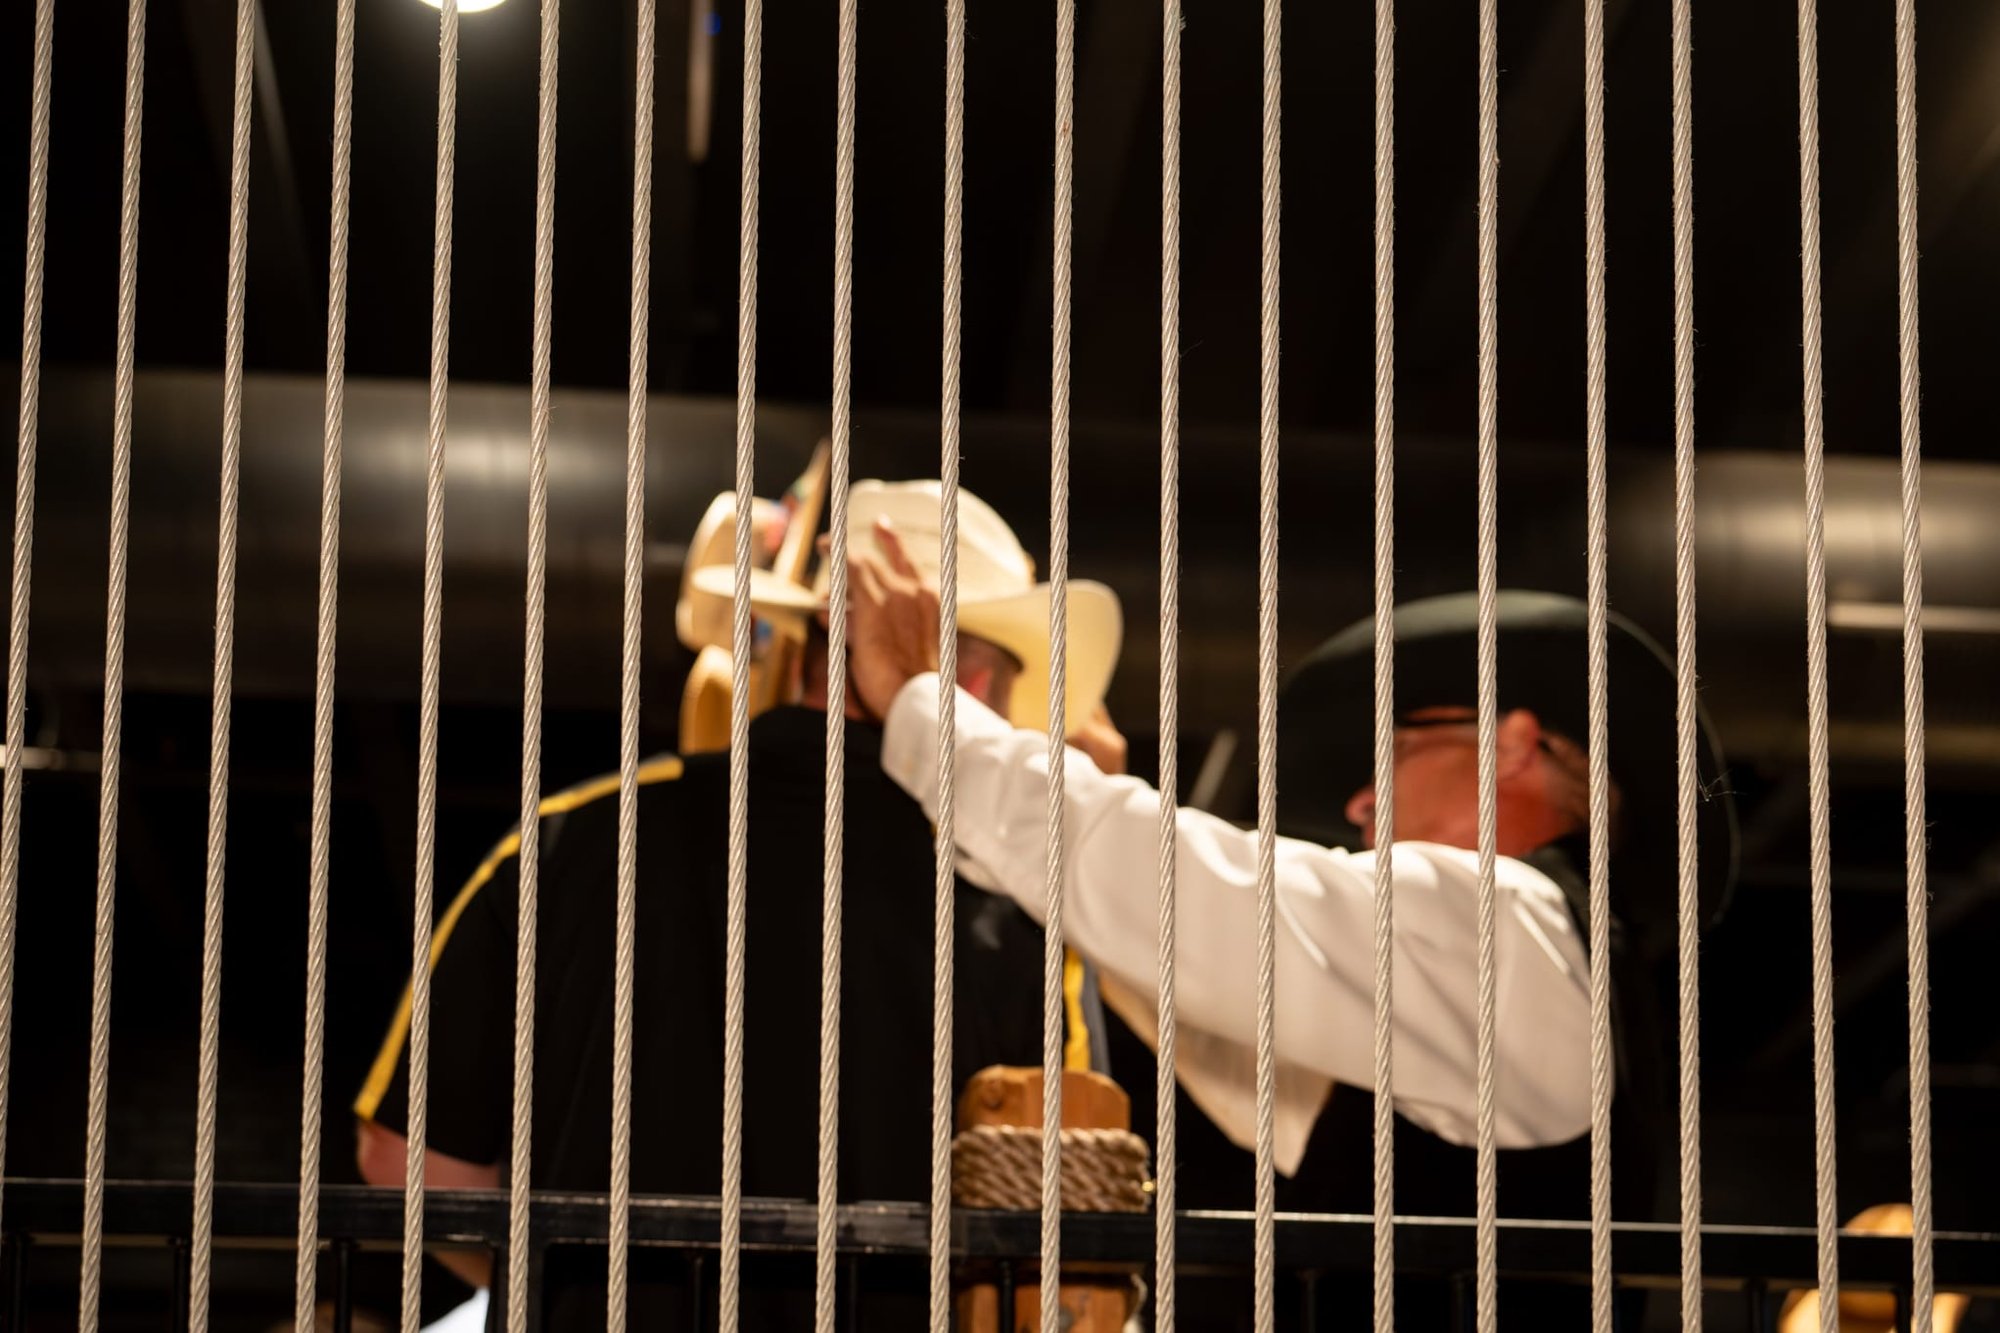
(1760, 1262)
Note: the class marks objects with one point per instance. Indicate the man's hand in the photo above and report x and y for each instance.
(892, 622)
(1102, 741)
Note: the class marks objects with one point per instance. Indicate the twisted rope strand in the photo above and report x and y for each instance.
(1052, 940)
(1385, 654)
(1170, 633)
(1819, 799)
(427, 699)
(317, 890)
(1487, 1147)
(942, 943)
(24, 529)
(520, 1173)
(1597, 633)
(1265, 1252)
(626, 944)
(837, 677)
(96, 1118)
(736, 943)
(1915, 841)
(209, 1059)
(827, 1237)
(1684, 665)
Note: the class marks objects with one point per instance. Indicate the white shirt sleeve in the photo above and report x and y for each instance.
(1325, 940)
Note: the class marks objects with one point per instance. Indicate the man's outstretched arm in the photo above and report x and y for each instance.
(1325, 968)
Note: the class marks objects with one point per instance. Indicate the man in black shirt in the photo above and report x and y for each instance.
(886, 987)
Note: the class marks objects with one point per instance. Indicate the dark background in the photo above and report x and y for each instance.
(1755, 1042)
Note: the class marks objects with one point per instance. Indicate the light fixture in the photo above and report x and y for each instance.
(467, 6)
(1887, 617)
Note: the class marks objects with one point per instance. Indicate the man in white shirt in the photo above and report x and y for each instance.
(1325, 968)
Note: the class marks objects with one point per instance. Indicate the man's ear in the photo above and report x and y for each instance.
(976, 681)
(1518, 740)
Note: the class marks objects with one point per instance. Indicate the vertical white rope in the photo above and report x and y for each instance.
(520, 1167)
(1165, 1146)
(735, 939)
(1264, 1256)
(427, 702)
(626, 943)
(943, 912)
(1385, 656)
(313, 1086)
(1915, 839)
(225, 647)
(1053, 1012)
(1597, 633)
(1486, 1203)
(1817, 781)
(1686, 717)
(826, 1241)
(24, 528)
(97, 1116)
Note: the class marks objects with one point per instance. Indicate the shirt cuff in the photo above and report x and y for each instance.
(910, 735)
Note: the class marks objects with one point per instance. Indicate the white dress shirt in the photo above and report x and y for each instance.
(1324, 987)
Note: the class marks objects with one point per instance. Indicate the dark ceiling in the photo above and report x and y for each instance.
(1746, 219)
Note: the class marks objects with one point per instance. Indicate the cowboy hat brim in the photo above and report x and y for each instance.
(1326, 743)
(1018, 622)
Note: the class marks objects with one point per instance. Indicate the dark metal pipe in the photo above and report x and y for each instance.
(1750, 507)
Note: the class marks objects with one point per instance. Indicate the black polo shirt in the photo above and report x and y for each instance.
(886, 983)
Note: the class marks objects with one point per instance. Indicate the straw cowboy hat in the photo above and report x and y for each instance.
(999, 599)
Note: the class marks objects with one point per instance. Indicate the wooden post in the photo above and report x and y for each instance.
(1092, 1301)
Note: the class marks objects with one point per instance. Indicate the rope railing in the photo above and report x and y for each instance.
(319, 885)
(625, 944)
(943, 912)
(1915, 833)
(1825, 1177)
(1264, 1270)
(1486, 999)
(945, 851)
(736, 926)
(520, 1162)
(827, 1235)
(97, 1114)
(423, 916)
(1597, 633)
(1165, 1131)
(1384, 720)
(1687, 717)
(1053, 1014)
(207, 1092)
